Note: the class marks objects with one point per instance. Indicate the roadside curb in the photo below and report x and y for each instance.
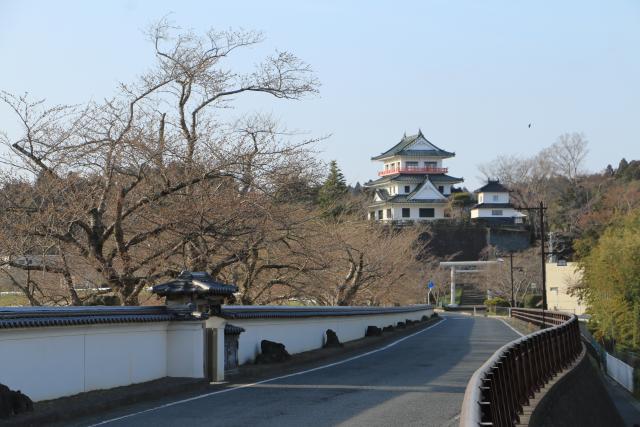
(83, 404)
(250, 372)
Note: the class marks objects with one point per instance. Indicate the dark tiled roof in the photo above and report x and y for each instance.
(414, 179)
(399, 149)
(230, 329)
(411, 179)
(492, 187)
(194, 283)
(265, 312)
(404, 198)
(29, 317)
(444, 178)
(382, 193)
(492, 205)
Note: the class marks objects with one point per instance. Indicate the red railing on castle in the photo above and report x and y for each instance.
(412, 169)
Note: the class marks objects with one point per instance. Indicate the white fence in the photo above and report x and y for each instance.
(620, 371)
(51, 352)
(300, 330)
(62, 352)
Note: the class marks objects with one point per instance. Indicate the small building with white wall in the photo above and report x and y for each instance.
(562, 277)
(494, 205)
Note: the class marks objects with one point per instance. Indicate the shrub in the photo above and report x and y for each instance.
(532, 301)
(496, 302)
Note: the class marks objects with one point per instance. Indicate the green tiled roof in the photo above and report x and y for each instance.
(411, 179)
(402, 198)
(399, 149)
(444, 178)
(382, 193)
(414, 179)
(406, 198)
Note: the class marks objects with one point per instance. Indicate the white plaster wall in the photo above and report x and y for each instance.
(305, 334)
(420, 160)
(51, 362)
(486, 213)
(428, 191)
(488, 197)
(185, 349)
(415, 211)
(446, 188)
(392, 162)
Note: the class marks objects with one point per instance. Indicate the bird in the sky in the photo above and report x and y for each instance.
(529, 125)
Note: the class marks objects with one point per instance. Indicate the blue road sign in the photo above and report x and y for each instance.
(430, 285)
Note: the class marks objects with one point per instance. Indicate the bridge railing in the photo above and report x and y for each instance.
(540, 317)
(498, 391)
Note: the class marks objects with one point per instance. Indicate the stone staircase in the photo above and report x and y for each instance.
(472, 296)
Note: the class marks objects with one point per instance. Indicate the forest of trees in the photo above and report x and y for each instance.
(112, 197)
(593, 219)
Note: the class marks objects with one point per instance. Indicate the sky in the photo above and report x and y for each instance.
(471, 75)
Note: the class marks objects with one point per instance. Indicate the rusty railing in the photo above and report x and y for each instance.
(498, 391)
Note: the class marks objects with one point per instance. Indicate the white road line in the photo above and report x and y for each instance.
(453, 421)
(512, 328)
(202, 396)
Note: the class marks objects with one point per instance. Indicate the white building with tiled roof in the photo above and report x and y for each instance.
(413, 183)
(494, 205)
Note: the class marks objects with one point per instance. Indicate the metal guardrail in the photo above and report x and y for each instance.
(498, 391)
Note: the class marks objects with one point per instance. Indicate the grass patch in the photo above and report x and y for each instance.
(446, 298)
(13, 300)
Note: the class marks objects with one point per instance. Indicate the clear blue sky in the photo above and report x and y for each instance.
(472, 75)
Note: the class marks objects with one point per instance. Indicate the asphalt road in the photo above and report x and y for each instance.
(419, 380)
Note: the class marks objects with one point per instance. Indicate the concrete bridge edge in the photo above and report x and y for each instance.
(577, 397)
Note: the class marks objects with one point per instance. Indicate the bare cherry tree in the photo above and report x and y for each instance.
(108, 182)
(367, 263)
(567, 155)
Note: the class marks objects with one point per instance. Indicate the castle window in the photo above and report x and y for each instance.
(412, 165)
(441, 188)
(380, 214)
(407, 189)
(426, 213)
(388, 213)
(406, 212)
(495, 197)
(496, 212)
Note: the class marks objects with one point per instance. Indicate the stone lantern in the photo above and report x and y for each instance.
(196, 288)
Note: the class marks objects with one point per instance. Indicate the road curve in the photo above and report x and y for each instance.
(419, 380)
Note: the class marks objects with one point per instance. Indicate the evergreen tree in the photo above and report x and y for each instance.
(609, 171)
(333, 195)
(333, 189)
(611, 284)
(621, 167)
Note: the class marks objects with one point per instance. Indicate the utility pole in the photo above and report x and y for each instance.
(511, 266)
(543, 257)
